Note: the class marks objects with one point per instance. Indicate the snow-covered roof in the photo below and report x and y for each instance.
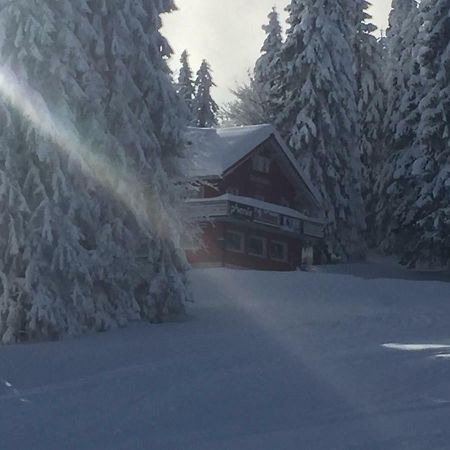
(212, 151)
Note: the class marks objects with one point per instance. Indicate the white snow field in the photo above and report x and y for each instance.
(263, 361)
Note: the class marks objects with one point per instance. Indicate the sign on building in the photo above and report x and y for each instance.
(267, 217)
(242, 211)
(292, 224)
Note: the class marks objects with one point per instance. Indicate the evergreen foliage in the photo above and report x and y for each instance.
(414, 187)
(185, 85)
(371, 97)
(91, 133)
(403, 29)
(268, 71)
(320, 118)
(427, 224)
(204, 108)
(259, 100)
(393, 188)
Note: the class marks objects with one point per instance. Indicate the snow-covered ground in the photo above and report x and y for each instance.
(263, 361)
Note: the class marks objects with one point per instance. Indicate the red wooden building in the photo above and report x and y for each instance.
(254, 206)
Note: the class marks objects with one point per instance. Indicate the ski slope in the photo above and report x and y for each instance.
(348, 358)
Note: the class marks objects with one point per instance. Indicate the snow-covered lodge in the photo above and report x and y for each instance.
(255, 208)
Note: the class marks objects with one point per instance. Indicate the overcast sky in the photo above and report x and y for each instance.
(228, 34)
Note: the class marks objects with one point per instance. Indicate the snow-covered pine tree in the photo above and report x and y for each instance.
(185, 85)
(259, 99)
(142, 116)
(73, 256)
(14, 215)
(45, 266)
(204, 108)
(268, 70)
(408, 115)
(426, 228)
(371, 99)
(320, 117)
(404, 85)
(402, 23)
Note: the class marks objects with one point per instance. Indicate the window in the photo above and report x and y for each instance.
(278, 251)
(292, 224)
(257, 246)
(234, 241)
(261, 164)
(308, 256)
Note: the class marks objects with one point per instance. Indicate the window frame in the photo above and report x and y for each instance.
(285, 245)
(263, 240)
(241, 234)
(261, 164)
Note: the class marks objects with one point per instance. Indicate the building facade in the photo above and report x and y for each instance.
(254, 207)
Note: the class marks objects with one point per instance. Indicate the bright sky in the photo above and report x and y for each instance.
(228, 34)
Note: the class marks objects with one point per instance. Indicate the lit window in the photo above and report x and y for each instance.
(278, 251)
(261, 164)
(234, 241)
(257, 246)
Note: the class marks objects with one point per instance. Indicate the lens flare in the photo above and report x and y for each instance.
(125, 185)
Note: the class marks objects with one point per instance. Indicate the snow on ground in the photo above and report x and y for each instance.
(263, 361)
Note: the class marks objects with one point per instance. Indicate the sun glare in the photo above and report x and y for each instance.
(125, 187)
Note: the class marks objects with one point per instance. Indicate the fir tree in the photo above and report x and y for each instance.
(268, 69)
(320, 113)
(426, 228)
(142, 117)
(185, 85)
(259, 100)
(204, 108)
(46, 274)
(398, 62)
(85, 159)
(404, 85)
(371, 104)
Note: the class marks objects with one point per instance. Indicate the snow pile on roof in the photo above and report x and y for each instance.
(212, 151)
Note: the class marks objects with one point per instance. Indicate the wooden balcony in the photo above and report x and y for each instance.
(256, 212)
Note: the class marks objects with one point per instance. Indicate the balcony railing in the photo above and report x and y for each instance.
(256, 211)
